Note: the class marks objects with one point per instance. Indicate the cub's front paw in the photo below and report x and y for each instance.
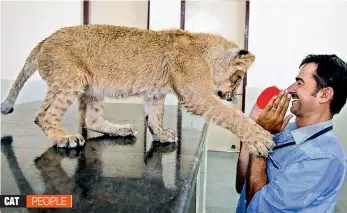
(163, 136)
(260, 143)
(71, 141)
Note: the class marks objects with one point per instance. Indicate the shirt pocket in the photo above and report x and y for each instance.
(278, 159)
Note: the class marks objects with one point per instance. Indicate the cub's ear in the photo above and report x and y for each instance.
(232, 52)
(235, 52)
(243, 52)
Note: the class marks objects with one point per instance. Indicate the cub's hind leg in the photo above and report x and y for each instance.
(57, 100)
(154, 109)
(91, 117)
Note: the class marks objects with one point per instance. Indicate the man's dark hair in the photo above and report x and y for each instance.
(331, 72)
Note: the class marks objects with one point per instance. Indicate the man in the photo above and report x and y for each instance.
(306, 169)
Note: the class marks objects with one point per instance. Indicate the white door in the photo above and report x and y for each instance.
(226, 18)
(122, 13)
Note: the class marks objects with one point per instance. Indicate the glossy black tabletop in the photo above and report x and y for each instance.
(109, 174)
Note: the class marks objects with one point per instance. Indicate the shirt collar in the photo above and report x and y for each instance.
(303, 133)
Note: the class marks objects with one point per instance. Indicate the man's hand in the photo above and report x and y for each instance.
(272, 117)
(255, 112)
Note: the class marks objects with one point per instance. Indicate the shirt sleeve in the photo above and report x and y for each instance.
(297, 186)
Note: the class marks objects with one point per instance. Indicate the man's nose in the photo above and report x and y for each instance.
(292, 88)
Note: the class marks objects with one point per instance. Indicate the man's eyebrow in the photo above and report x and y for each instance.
(299, 79)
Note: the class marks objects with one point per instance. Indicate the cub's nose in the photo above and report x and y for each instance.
(220, 94)
(243, 52)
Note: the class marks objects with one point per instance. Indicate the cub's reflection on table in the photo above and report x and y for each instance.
(90, 190)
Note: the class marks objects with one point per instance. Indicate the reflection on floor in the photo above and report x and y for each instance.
(221, 196)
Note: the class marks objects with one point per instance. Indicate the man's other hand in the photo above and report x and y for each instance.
(255, 112)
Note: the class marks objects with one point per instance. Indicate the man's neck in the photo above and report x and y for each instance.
(312, 119)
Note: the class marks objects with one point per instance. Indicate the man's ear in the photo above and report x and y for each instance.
(326, 95)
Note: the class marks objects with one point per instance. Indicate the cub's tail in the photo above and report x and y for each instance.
(28, 70)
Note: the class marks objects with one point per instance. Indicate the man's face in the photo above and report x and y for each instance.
(303, 92)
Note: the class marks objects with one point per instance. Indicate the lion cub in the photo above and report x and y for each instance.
(90, 62)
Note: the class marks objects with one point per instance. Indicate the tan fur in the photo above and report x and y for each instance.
(94, 61)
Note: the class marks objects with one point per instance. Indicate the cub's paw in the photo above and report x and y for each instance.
(260, 142)
(168, 135)
(71, 141)
(124, 130)
(54, 155)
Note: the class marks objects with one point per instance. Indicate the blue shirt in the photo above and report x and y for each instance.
(305, 177)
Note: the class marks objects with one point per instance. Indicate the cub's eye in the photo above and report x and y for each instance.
(236, 78)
